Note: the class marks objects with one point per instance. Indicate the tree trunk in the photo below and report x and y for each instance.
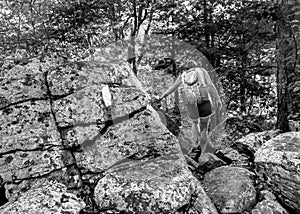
(205, 20)
(282, 43)
(134, 32)
(282, 95)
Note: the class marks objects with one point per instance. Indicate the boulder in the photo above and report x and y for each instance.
(162, 185)
(231, 189)
(249, 144)
(268, 204)
(48, 197)
(277, 163)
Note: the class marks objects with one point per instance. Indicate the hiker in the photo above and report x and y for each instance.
(201, 99)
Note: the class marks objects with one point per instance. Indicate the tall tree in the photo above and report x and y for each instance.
(287, 59)
(141, 11)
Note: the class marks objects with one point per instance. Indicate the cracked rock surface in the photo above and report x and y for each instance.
(278, 165)
(80, 134)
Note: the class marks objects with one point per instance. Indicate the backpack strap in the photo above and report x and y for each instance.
(183, 80)
(185, 88)
(201, 78)
(206, 83)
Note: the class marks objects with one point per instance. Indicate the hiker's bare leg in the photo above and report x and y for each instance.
(195, 132)
(206, 146)
(194, 116)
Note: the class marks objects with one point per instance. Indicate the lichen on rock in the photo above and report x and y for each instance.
(80, 136)
(48, 197)
(278, 165)
(162, 185)
(268, 204)
(231, 189)
(58, 124)
(252, 142)
(19, 83)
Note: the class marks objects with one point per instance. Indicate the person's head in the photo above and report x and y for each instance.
(191, 64)
(167, 64)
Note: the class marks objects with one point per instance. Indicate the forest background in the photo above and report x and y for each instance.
(253, 46)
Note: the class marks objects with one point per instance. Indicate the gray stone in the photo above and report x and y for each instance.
(30, 143)
(278, 164)
(20, 83)
(162, 185)
(48, 197)
(28, 126)
(268, 205)
(231, 189)
(250, 143)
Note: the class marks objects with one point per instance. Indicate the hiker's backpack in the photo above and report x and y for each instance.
(195, 89)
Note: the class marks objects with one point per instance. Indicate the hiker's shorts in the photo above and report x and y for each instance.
(203, 109)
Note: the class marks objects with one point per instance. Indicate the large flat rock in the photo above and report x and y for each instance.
(278, 164)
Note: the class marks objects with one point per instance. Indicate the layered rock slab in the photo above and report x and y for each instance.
(231, 189)
(278, 164)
